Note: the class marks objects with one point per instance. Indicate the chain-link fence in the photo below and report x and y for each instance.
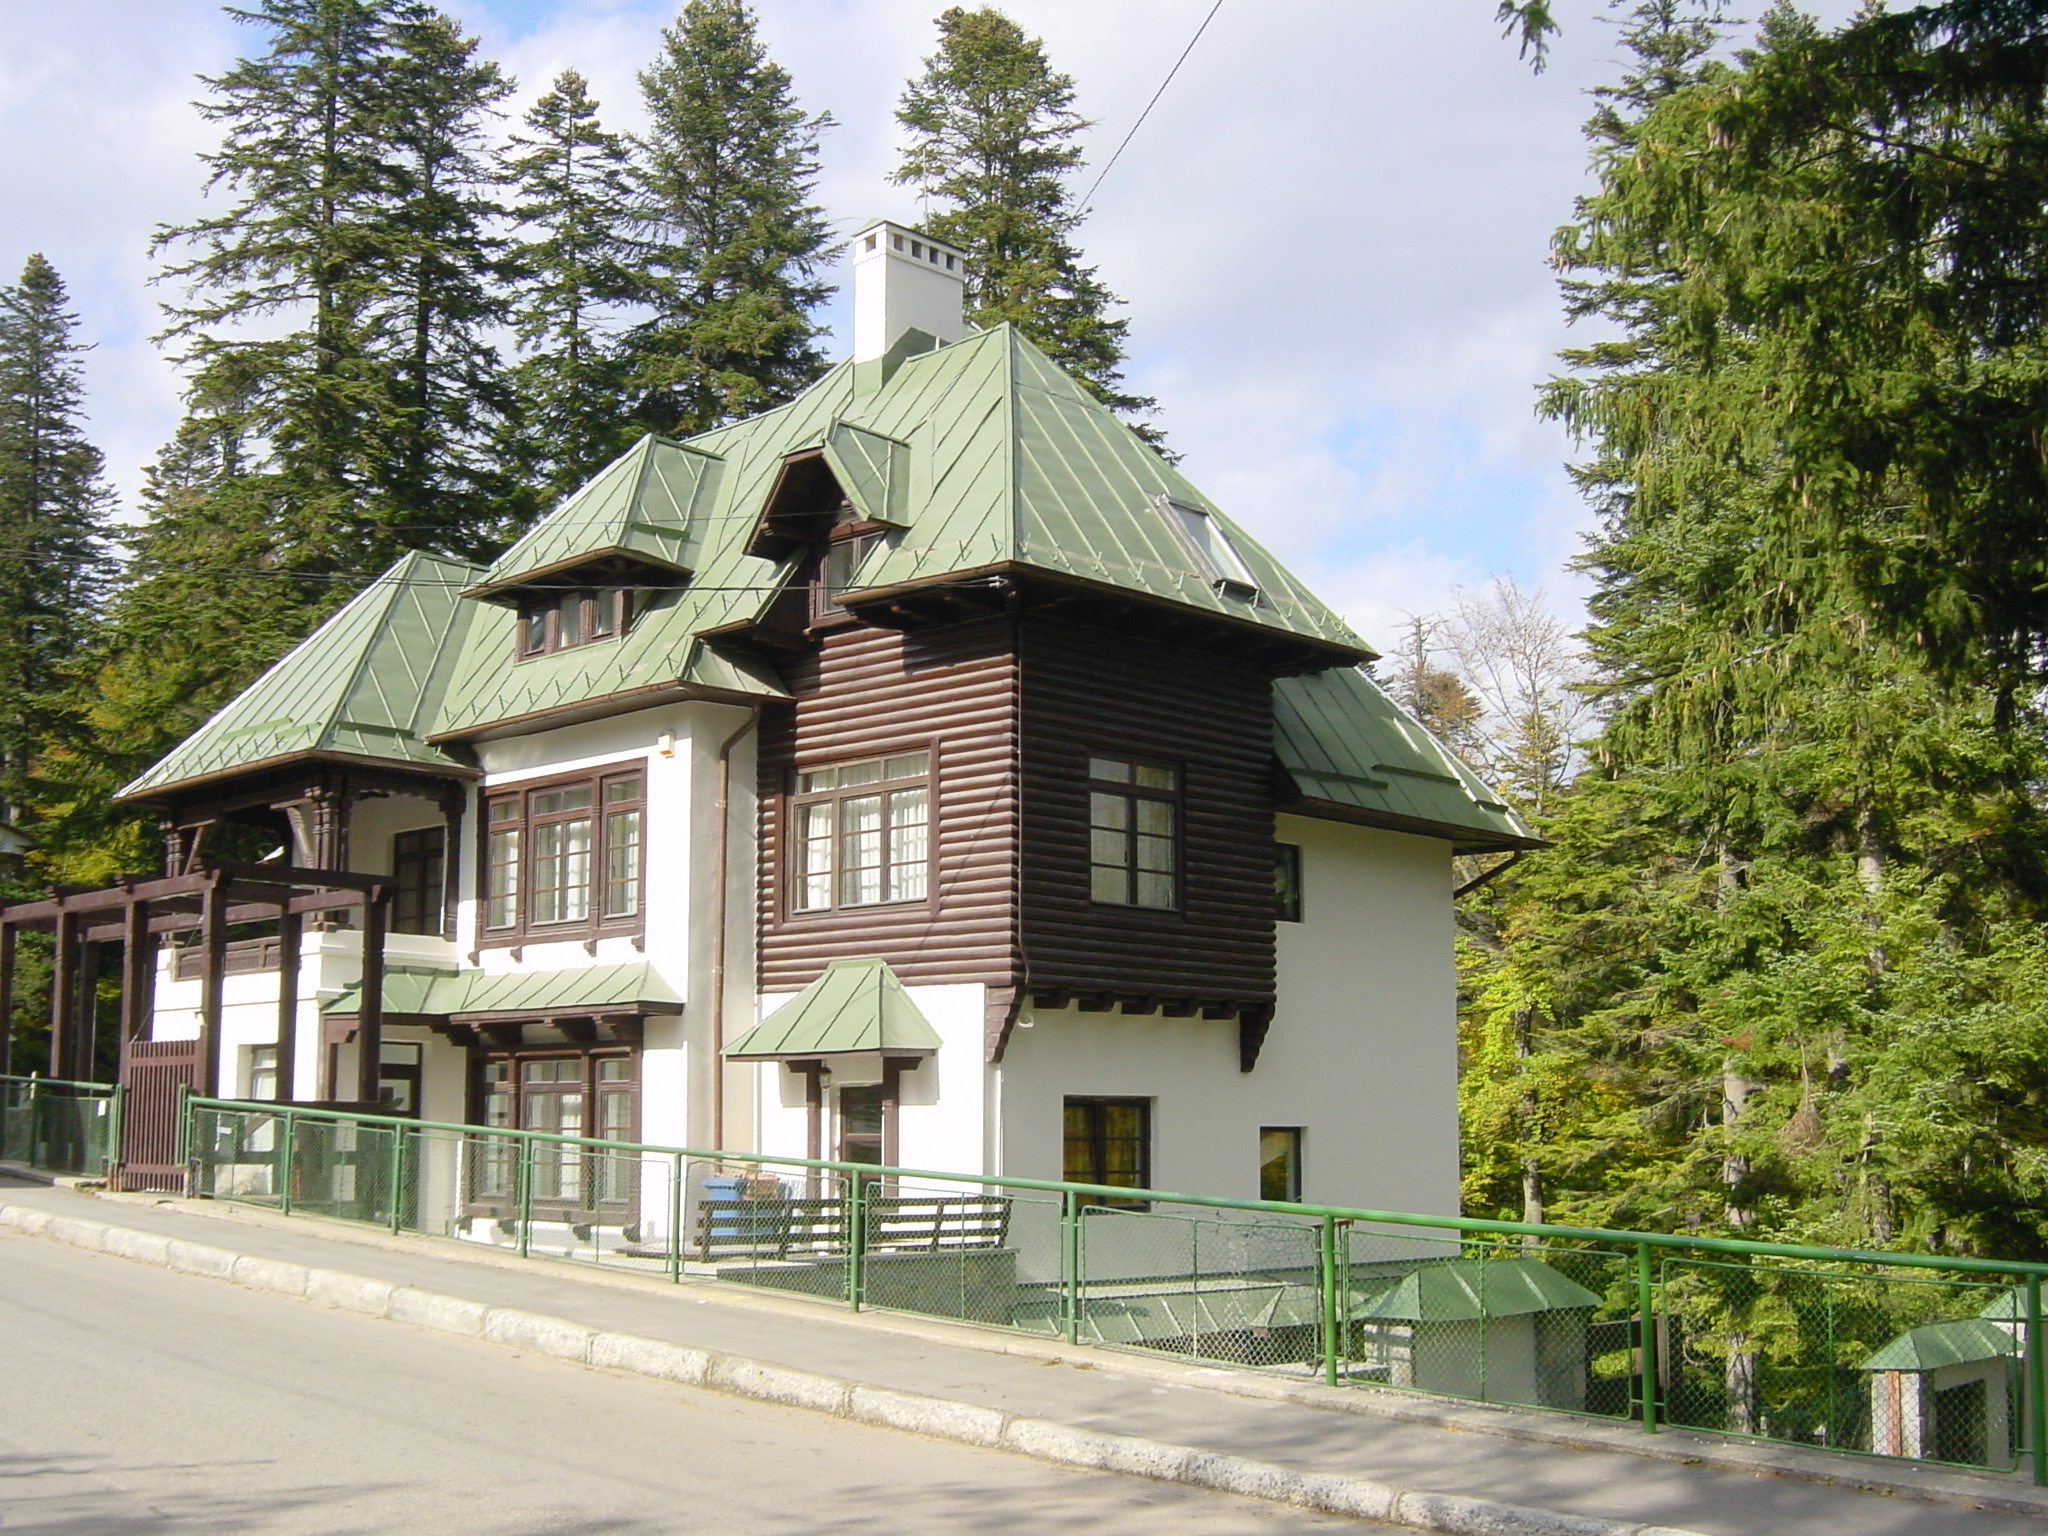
(1888, 1355)
(56, 1126)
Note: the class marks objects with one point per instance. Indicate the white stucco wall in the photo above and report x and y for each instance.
(1362, 1053)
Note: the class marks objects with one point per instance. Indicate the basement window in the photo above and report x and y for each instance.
(1217, 560)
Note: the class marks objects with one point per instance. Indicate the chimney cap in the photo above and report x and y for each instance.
(904, 280)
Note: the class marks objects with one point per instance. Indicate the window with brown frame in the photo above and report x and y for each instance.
(556, 621)
(837, 566)
(565, 1091)
(1133, 833)
(564, 860)
(860, 833)
(419, 866)
(1108, 1141)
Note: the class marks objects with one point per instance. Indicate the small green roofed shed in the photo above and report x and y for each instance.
(363, 687)
(856, 1007)
(1931, 1346)
(1466, 1290)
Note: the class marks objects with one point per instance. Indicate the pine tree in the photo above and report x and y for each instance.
(991, 128)
(56, 562)
(577, 271)
(443, 282)
(729, 164)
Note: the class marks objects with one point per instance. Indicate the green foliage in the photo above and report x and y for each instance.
(55, 556)
(576, 269)
(728, 167)
(991, 128)
(1781, 971)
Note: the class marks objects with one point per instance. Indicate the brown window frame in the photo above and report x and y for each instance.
(600, 613)
(850, 541)
(598, 1189)
(799, 801)
(600, 811)
(1281, 1149)
(429, 889)
(1094, 1108)
(1288, 901)
(1135, 794)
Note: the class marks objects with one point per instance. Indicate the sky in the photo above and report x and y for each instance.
(1330, 234)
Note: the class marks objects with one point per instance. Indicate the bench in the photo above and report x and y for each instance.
(784, 1229)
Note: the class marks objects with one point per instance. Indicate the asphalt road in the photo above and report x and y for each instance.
(135, 1400)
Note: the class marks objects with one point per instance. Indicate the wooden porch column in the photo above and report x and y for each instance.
(86, 1018)
(213, 960)
(63, 993)
(6, 999)
(138, 974)
(291, 928)
(370, 1022)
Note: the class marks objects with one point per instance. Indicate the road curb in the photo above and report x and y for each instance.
(761, 1381)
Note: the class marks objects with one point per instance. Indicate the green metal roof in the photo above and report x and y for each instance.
(1933, 1345)
(648, 507)
(857, 1005)
(1348, 745)
(468, 994)
(975, 455)
(363, 685)
(1465, 1290)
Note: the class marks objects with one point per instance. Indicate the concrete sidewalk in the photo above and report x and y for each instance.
(962, 1382)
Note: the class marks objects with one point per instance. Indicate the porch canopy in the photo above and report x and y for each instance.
(857, 1008)
(464, 1004)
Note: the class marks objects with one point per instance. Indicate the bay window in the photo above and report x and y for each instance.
(860, 833)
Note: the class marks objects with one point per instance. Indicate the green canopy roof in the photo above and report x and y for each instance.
(633, 988)
(857, 1005)
(363, 686)
(1464, 1290)
(1933, 1345)
(646, 507)
(1349, 747)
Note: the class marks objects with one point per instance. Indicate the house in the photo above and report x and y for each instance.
(923, 772)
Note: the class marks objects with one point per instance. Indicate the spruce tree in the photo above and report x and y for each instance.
(991, 142)
(577, 269)
(56, 561)
(729, 164)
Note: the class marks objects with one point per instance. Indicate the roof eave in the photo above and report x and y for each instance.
(501, 590)
(1464, 839)
(602, 707)
(156, 792)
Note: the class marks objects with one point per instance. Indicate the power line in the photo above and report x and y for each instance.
(1152, 103)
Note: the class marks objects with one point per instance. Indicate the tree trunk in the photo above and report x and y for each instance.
(1532, 1172)
(1740, 1382)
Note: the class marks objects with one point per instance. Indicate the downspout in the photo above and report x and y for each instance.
(720, 865)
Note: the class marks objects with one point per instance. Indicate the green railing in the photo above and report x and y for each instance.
(57, 1126)
(1888, 1354)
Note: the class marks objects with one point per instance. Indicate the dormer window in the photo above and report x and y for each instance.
(1219, 563)
(556, 621)
(837, 566)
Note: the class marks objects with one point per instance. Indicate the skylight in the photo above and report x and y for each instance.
(1218, 562)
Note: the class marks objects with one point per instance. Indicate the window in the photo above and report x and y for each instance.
(555, 621)
(837, 567)
(419, 864)
(863, 1125)
(263, 1073)
(860, 833)
(1215, 557)
(564, 1092)
(1109, 1141)
(1287, 882)
(1131, 833)
(561, 859)
(1280, 1162)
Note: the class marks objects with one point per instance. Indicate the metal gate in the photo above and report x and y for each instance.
(155, 1074)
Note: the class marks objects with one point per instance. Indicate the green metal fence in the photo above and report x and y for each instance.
(56, 1126)
(1876, 1354)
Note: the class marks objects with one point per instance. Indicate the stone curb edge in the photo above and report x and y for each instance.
(940, 1418)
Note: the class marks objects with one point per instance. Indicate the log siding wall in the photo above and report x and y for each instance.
(1094, 691)
(1009, 903)
(869, 692)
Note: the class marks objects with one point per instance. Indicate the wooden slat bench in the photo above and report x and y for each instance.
(780, 1229)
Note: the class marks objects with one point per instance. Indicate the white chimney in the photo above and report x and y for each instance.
(903, 280)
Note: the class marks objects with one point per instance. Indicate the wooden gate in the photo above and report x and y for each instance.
(154, 1074)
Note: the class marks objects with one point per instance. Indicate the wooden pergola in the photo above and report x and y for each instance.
(136, 913)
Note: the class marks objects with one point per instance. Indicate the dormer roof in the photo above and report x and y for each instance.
(642, 514)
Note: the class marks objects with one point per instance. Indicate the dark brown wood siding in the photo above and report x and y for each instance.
(869, 692)
(1089, 690)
